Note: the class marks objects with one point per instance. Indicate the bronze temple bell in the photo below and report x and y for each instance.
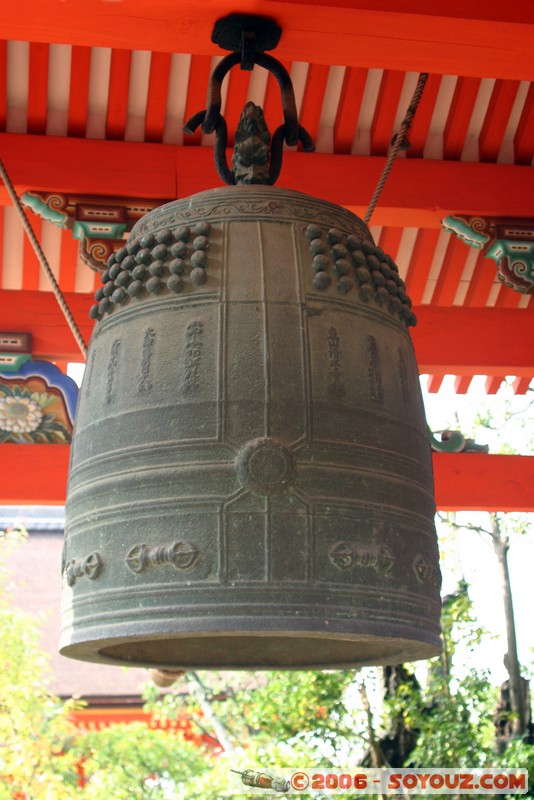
(251, 479)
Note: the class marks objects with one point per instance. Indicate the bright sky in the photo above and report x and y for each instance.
(473, 555)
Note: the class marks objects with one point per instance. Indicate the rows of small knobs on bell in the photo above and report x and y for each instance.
(170, 258)
(361, 263)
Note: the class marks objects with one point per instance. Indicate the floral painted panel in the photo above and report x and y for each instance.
(37, 405)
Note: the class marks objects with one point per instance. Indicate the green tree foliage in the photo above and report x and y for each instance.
(454, 713)
(290, 707)
(298, 707)
(455, 716)
(34, 725)
(126, 761)
(269, 719)
(43, 756)
(262, 720)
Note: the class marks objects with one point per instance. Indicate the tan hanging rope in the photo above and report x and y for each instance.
(397, 143)
(43, 261)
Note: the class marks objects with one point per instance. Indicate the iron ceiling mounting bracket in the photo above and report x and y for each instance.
(246, 34)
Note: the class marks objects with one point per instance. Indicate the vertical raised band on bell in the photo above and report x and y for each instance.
(250, 448)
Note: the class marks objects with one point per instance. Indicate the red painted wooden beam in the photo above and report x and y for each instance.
(474, 341)
(199, 76)
(419, 192)
(3, 84)
(348, 110)
(421, 263)
(37, 88)
(88, 166)
(313, 98)
(496, 120)
(38, 313)
(480, 482)
(36, 474)
(158, 90)
(423, 118)
(524, 137)
(492, 39)
(32, 268)
(119, 81)
(458, 341)
(79, 90)
(459, 117)
(386, 111)
(33, 474)
(481, 282)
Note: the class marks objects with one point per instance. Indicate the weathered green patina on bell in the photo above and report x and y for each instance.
(251, 479)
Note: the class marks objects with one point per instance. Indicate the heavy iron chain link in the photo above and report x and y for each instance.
(211, 120)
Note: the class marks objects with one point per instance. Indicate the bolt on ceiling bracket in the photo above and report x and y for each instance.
(246, 34)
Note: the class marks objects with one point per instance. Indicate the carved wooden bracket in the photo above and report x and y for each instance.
(509, 242)
(455, 442)
(99, 223)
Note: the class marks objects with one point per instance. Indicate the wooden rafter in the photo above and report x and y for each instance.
(491, 39)
(419, 192)
(79, 90)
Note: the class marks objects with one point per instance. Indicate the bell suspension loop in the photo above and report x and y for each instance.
(211, 120)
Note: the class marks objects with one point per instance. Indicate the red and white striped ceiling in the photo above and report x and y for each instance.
(141, 96)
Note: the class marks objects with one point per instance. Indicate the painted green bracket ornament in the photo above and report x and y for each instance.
(98, 223)
(455, 442)
(508, 242)
(15, 350)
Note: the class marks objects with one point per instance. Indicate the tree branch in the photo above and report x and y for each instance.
(223, 734)
(466, 526)
(377, 756)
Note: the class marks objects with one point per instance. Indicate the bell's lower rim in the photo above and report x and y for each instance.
(255, 650)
